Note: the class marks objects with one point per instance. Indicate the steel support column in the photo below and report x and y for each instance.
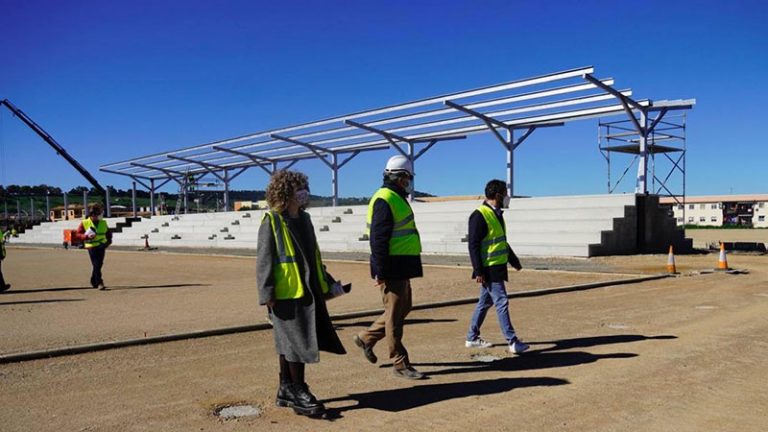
(226, 190)
(641, 186)
(412, 160)
(107, 202)
(47, 205)
(509, 138)
(32, 208)
(335, 179)
(133, 199)
(85, 204)
(151, 197)
(66, 207)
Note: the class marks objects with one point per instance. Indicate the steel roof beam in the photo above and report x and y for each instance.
(448, 110)
(318, 151)
(572, 73)
(168, 172)
(207, 165)
(122, 173)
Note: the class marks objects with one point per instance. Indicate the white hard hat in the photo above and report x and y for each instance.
(397, 164)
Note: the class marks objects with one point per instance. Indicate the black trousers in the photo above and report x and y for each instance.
(97, 261)
(2, 279)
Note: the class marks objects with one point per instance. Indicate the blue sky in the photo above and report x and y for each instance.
(115, 80)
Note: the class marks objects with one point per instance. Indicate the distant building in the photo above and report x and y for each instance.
(250, 205)
(74, 211)
(721, 210)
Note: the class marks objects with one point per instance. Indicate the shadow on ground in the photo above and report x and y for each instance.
(38, 301)
(402, 399)
(109, 288)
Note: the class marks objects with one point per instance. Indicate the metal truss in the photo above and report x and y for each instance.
(511, 111)
(665, 145)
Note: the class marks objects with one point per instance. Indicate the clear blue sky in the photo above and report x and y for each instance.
(114, 80)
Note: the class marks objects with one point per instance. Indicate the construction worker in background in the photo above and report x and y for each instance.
(490, 253)
(395, 260)
(3, 235)
(96, 238)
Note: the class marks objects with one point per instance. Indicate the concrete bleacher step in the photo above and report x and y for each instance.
(548, 226)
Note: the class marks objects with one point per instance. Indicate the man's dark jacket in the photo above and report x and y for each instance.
(383, 265)
(478, 229)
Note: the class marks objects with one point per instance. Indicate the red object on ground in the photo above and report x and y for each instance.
(71, 238)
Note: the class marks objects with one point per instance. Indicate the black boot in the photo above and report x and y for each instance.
(284, 395)
(305, 403)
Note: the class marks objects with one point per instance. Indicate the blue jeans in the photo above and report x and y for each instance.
(492, 294)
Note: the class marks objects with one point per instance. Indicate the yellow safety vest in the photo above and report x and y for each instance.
(288, 281)
(493, 249)
(405, 238)
(101, 232)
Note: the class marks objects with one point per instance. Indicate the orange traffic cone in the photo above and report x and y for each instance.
(722, 262)
(671, 262)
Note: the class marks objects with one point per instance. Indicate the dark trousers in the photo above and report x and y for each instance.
(396, 296)
(2, 279)
(97, 261)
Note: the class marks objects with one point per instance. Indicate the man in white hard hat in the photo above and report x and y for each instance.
(395, 260)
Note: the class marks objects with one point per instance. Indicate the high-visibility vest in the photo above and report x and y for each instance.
(288, 281)
(405, 238)
(101, 232)
(493, 248)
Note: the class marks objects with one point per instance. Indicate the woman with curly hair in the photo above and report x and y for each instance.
(294, 284)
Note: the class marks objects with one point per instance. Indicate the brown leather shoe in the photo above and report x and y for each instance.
(367, 350)
(408, 372)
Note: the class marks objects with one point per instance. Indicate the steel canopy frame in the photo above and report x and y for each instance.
(546, 101)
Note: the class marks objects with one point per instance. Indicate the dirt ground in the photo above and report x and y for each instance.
(704, 237)
(52, 305)
(684, 353)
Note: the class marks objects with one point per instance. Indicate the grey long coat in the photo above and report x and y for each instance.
(302, 327)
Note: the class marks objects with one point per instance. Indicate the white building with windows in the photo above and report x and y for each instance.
(719, 210)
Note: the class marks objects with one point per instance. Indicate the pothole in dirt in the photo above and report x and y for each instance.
(230, 412)
(485, 358)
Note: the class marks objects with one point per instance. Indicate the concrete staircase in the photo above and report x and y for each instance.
(53, 232)
(580, 226)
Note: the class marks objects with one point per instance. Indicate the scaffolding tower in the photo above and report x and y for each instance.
(664, 148)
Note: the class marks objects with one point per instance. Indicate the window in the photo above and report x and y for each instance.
(761, 205)
(713, 219)
(761, 218)
(680, 207)
(691, 206)
(679, 220)
(690, 218)
(702, 206)
(702, 219)
(713, 206)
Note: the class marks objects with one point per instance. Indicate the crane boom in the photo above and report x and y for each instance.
(52, 142)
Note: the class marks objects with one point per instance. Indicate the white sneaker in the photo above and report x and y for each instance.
(478, 343)
(518, 347)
